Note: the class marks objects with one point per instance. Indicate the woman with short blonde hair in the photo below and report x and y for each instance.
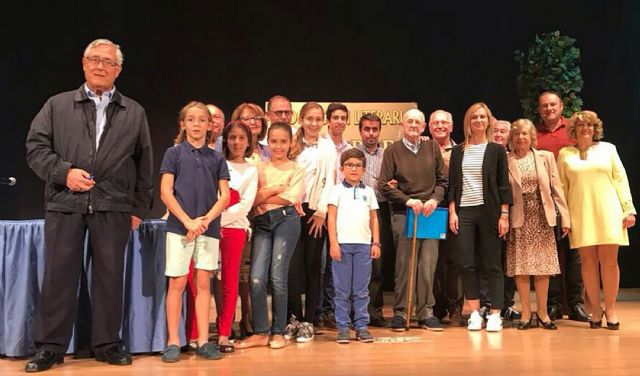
(537, 194)
(601, 208)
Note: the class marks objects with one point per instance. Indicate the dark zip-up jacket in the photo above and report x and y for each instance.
(62, 136)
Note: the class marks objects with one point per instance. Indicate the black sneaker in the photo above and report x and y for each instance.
(432, 323)
(398, 324)
(209, 351)
(364, 336)
(344, 335)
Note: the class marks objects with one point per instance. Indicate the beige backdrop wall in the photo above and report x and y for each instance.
(389, 113)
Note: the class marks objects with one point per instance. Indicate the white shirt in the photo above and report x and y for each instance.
(308, 158)
(244, 180)
(472, 175)
(354, 205)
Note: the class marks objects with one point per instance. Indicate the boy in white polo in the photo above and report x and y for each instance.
(354, 241)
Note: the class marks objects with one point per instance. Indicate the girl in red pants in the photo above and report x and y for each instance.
(235, 225)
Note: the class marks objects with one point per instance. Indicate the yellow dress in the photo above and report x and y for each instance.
(598, 195)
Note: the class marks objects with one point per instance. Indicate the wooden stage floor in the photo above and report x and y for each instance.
(573, 349)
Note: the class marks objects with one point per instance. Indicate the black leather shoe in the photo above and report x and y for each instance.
(555, 312)
(378, 322)
(43, 360)
(578, 313)
(114, 356)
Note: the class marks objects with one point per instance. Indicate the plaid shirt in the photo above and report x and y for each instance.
(371, 173)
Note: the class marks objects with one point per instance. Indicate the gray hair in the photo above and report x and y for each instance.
(413, 111)
(98, 42)
(447, 114)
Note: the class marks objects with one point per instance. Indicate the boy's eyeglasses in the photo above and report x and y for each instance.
(352, 165)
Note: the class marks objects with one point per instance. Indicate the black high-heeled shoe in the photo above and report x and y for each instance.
(548, 325)
(612, 325)
(596, 324)
(524, 325)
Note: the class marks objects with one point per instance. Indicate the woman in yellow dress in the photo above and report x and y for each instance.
(601, 209)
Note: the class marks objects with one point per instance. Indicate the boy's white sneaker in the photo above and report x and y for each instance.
(494, 322)
(475, 321)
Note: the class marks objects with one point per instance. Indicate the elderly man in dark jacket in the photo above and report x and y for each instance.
(92, 148)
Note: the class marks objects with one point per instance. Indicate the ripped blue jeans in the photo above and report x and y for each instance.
(275, 236)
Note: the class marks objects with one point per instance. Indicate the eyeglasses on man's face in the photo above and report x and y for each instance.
(281, 113)
(107, 63)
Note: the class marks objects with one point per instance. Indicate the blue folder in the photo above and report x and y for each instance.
(431, 227)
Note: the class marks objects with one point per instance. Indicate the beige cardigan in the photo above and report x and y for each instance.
(549, 185)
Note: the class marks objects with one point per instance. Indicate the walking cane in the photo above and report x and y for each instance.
(412, 267)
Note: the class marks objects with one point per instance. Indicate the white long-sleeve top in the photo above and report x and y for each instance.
(244, 179)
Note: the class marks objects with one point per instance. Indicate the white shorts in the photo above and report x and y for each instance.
(204, 250)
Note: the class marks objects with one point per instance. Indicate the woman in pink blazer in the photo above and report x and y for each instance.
(537, 200)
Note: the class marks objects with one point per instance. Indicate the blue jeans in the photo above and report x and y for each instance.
(351, 276)
(275, 236)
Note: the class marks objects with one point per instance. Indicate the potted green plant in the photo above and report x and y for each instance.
(551, 63)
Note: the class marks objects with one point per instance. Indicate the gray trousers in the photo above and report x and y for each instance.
(426, 261)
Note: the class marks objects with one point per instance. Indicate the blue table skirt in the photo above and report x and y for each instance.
(21, 272)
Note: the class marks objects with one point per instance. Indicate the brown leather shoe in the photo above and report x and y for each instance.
(253, 341)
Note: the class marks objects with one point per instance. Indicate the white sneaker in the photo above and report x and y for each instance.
(494, 322)
(475, 321)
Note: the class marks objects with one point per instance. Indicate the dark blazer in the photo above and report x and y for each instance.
(496, 189)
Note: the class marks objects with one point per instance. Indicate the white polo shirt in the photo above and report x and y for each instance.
(354, 205)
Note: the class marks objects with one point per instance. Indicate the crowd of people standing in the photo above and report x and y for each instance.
(273, 208)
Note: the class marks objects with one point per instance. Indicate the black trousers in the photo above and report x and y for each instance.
(569, 281)
(305, 270)
(509, 282)
(477, 236)
(387, 248)
(447, 286)
(57, 306)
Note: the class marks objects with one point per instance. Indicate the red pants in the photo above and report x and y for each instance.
(231, 246)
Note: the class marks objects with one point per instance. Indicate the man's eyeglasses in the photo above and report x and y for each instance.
(247, 119)
(107, 63)
(352, 165)
(282, 112)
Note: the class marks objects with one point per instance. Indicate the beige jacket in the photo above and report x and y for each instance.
(549, 185)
